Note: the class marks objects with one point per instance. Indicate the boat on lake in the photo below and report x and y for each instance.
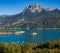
(34, 33)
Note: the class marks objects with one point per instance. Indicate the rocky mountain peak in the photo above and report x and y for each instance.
(34, 7)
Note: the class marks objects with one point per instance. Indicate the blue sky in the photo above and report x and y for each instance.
(9, 7)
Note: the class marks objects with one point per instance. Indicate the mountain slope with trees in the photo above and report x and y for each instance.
(33, 16)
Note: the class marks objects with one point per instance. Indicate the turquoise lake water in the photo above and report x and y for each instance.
(27, 37)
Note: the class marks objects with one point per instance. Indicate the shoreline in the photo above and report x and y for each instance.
(27, 28)
(50, 28)
(2, 31)
(11, 32)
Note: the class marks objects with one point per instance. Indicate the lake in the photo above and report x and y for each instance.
(27, 37)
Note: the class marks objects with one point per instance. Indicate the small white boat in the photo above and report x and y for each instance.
(34, 33)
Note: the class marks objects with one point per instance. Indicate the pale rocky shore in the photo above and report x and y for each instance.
(13, 32)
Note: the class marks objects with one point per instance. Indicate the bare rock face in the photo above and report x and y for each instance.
(36, 8)
(33, 8)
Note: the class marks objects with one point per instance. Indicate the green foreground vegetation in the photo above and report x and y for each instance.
(44, 47)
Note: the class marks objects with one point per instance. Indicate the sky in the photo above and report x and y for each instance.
(10, 7)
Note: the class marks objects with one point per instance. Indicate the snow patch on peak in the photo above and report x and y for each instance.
(49, 9)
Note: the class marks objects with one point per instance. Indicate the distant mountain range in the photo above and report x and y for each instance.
(33, 16)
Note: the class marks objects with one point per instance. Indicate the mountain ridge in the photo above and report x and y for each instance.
(33, 16)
